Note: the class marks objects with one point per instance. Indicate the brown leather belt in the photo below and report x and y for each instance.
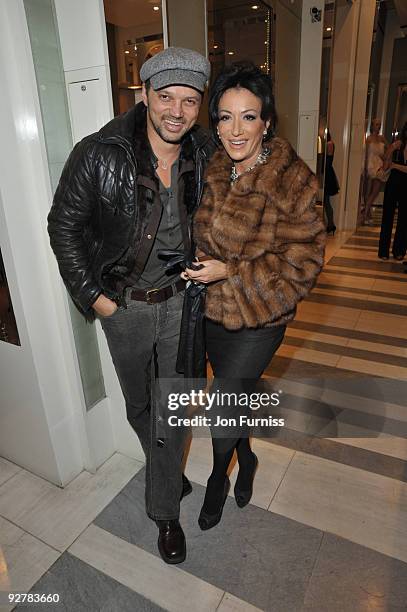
(155, 296)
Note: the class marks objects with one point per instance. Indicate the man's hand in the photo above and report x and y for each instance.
(104, 307)
(212, 270)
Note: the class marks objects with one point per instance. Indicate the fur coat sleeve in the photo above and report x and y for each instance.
(266, 229)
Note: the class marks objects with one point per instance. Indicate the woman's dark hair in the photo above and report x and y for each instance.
(246, 75)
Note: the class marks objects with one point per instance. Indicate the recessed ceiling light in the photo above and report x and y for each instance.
(255, 7)
(215, 46)
(231, 52)
(127, 51)
(265, 42)
(329, 29)
(156, 8)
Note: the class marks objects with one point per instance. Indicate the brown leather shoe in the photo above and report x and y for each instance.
(171, 541)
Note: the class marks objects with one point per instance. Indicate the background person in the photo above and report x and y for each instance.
(395, 195)
(376, 145)
(259, 224)
(331, 185)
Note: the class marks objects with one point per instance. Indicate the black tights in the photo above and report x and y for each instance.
(238, 358)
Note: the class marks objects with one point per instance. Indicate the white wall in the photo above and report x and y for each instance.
(310, 82)
(41, 421)
(287, 70)
(85, 58)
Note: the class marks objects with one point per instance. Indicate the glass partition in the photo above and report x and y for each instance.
(134, 33)
(240, 31)
(42, 27)
(326, 66)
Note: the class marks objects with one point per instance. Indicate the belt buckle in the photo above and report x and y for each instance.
(148, 299)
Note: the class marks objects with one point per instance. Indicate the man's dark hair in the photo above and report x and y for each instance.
(245, 75)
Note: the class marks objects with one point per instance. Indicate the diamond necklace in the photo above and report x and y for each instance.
(261, 159)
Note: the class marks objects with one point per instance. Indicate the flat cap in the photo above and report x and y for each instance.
(176, 66)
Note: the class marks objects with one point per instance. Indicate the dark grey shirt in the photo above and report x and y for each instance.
(169, 236)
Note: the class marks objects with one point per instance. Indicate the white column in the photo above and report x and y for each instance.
(310, 80)
(349, 82)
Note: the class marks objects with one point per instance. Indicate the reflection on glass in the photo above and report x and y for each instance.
(240, 31)
(326, 63)
(134, 34)
(8, 326)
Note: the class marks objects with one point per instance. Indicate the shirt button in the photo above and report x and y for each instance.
(149, 236)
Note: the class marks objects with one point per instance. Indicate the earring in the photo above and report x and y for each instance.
(217, 131)
(265, 133)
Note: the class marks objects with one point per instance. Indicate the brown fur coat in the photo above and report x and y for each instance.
(266, 229)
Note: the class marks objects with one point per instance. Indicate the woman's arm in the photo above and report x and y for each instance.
(387, 161)
(399, 167)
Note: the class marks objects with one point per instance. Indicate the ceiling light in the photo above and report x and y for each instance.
(329, 29)
(215, 46)
(156, 8)
(255, 7)
(127, 51)
(231, 52)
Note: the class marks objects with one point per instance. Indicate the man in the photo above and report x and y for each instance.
(125, 193)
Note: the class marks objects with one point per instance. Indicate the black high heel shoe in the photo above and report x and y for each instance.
(330, 229)
(243, 497)
(207, 521)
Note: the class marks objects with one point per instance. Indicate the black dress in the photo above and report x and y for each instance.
(331, 186)
(395, 195)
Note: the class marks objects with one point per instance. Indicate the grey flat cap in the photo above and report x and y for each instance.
(176, 66)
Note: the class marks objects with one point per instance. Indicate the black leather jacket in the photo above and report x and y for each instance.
(99, 220)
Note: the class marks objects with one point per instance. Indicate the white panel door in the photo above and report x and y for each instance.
(86, 107)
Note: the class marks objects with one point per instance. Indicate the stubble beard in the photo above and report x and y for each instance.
(175, 140)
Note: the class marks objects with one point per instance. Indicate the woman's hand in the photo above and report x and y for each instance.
(212, 270)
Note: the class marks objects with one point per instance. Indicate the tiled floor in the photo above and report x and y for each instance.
(326, 530)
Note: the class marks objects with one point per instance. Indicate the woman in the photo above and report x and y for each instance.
(258, 224)
(395, 194)
(331, 186)
(375, 154)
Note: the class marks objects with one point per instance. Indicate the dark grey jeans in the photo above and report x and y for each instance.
(143, 343)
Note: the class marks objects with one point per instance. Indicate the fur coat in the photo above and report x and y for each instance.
(266, 229)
